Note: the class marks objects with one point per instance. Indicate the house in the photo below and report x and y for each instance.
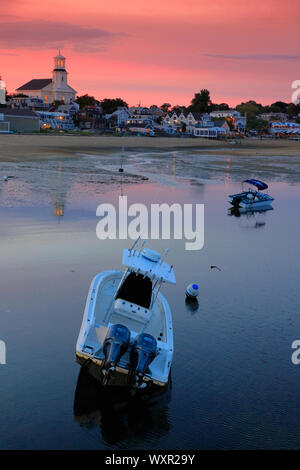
(21, 120)
(238, 122)
(188, 118)
(139, 115)
(4, 126)
(91, 117)
(55, 120)
(273, 116)
(51, 89)
(119, 117)
(229, 113)
(25, 102)
(72, 108)
(223, 125)
(284, 127)
(209, 132)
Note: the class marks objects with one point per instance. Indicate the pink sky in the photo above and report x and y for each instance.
(158, 51)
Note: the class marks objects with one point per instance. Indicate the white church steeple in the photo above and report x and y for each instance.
(60, 78)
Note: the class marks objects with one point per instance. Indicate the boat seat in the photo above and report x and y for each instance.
(132, 311)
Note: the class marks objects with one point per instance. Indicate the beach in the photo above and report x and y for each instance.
(18, 148)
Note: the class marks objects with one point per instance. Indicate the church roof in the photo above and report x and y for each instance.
(35, 84)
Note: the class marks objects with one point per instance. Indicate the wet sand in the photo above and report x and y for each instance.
(18, 148)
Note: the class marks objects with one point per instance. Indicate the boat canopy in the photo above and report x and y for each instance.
(259, 184)
(155, 270)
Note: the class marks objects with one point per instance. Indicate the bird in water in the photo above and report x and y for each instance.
(216, 267)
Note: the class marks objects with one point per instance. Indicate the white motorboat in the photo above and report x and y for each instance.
(126, 335)
(250, 198)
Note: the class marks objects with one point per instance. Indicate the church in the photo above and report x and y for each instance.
(51, 89)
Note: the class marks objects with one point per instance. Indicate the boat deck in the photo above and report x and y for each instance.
(105, 315)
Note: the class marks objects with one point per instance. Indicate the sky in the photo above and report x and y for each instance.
(156, 51)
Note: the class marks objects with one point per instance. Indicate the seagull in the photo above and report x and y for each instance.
(216, 267)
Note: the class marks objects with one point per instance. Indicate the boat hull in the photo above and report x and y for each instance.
(89, 354)
(241, 200)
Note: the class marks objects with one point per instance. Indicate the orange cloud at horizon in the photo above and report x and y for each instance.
(158, 51)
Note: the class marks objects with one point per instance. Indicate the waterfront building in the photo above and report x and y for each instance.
(51, 89)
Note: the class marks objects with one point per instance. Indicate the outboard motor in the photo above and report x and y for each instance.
(115, 345)
(236, 201)
(142, 354)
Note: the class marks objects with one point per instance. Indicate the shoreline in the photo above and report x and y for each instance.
(22, 147)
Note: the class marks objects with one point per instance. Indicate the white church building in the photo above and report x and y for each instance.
(51, 89)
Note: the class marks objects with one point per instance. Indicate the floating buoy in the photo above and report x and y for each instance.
(192, 291)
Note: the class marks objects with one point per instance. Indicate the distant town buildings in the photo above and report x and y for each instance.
(51, 89)
(49, 104)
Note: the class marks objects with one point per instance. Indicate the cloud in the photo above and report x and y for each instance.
(9, 53)
(254, 56)
(41, 34)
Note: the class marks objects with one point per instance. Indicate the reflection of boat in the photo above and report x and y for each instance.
(121, 416)
(127, 325)
(252, 219)
(251, 198)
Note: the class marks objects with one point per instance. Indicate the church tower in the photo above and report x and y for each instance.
(60, 75)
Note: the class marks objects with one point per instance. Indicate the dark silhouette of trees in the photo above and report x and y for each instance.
(201, 102)
(165, 107)
(86, 100)
(109, 105)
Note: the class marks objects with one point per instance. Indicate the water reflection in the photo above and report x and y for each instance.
(250, 219)
(192, 305)
(59, 194)
(122, 418)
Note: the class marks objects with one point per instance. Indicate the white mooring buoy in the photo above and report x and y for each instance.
(192, 291)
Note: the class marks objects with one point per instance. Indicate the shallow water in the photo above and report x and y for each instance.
(233, 382)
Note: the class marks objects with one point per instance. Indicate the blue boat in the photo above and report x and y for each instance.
(252, 197)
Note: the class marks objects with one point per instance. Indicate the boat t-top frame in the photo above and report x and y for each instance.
(148, 264)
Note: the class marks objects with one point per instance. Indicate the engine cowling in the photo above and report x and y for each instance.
(142, 354)
(115, 345)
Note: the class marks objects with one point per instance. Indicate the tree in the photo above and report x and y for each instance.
(251, 109)
(109, 105)
(257, 124)
(165, 107)
(178, 109)
(86, 100)
(201, 102)
(220, 107)
(278, 107)
(293, 110)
